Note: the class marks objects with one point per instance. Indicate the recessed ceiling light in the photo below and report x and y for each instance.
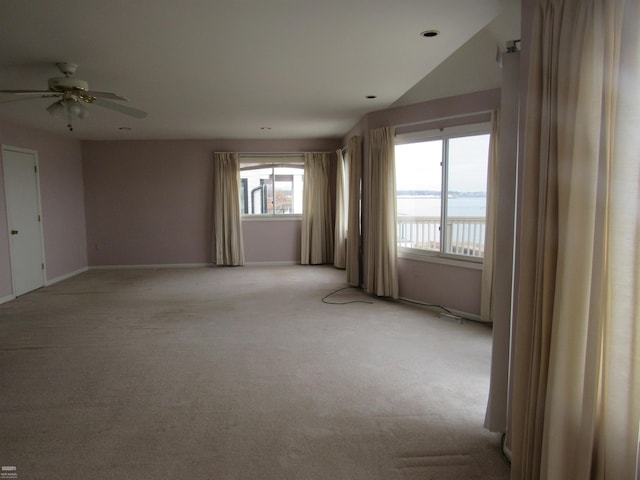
(370, 97)
(430, 33)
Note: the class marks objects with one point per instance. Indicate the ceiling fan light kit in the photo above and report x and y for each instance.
(73, 94)
(67, 108)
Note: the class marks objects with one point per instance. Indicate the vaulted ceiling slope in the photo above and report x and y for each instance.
(233, 68)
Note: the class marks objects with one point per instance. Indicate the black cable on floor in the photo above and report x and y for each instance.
(448, 312)
(444, 309)
(324, 299)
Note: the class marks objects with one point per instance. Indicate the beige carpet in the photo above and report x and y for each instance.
(238, 373)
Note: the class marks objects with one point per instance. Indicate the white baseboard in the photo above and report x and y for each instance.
(187, 265)
(507, 452)
(271, 264)
(150, 266)
(6, 299)
(66, 276)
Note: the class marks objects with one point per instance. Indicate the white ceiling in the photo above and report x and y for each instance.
(228, 68)
(474, 66)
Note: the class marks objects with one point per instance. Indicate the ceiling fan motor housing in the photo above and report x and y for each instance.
(64, 84)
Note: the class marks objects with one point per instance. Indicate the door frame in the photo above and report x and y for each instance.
(7, 202)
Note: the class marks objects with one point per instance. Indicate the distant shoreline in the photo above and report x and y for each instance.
(458, 205)
(451, 195)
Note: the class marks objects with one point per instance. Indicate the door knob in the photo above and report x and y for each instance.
(14, 232)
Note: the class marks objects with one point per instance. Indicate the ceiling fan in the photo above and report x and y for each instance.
(72, 94)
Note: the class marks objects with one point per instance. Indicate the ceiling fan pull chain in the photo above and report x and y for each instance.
(69, 120)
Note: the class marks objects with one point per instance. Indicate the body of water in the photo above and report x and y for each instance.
(430, 207)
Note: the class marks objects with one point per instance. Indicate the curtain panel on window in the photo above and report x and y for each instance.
(317, 227)
(227, 231)
(501, 302)
(382, 247)
(340, 229)
(496, 414)
(354, 154)
(576, 392)
(488, 264)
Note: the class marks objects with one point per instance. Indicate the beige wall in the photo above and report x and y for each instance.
(150, 202)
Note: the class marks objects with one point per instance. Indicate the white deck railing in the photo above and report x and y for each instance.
(464, 235)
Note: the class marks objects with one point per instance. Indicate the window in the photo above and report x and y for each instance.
(268, 188)
(441, 181)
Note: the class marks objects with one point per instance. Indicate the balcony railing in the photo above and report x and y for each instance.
(463, 236)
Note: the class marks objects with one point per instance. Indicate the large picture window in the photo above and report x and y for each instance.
(268, 188)
(441, 183)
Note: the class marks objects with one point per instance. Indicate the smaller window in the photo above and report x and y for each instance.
(270, 188)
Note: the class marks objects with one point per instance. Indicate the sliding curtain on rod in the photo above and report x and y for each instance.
(317, 227)
(488, 265)
(576, 392)
(354, 155)
(381, 255)
(340, 229)
(227, 232)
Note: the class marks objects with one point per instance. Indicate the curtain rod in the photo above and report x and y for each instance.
(440, 119)
(276, 154)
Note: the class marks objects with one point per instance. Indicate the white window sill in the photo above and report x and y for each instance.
(270, 218)
(442, 260)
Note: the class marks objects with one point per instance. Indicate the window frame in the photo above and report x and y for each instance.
(444, 134)
(257, 162)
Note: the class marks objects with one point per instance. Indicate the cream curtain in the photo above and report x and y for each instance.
(340, 230)
(317, 228)
(490, 230)
(496, 418)
(227, 234)
(381, 256)
(576, 391)
(354, 154)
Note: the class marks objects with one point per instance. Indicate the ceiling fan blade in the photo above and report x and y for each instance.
(108, 95)
(132, 112)
(27, 92)
(22, 98)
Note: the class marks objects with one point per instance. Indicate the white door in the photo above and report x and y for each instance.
(20, 168)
